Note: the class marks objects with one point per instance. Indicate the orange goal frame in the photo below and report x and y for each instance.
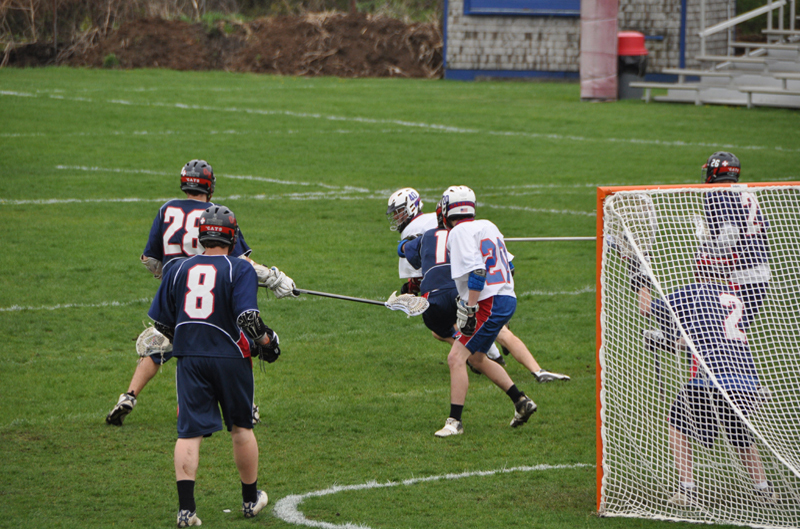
(602, 193)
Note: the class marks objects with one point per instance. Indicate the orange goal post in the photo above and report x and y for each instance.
(662, 233)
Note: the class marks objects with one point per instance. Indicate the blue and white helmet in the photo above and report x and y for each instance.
(404, 205)
(458, 201)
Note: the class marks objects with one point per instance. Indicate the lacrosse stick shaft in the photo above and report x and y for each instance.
(298, 291)
(543, 239)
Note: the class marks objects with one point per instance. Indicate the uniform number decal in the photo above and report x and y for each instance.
(496, 260)
(750, 203)
(441, 247)
(732, 330)
(199, 302)
(177, 220)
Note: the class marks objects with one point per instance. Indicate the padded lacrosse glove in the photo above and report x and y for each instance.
(465, 317)
(271, 351)
(411, 287)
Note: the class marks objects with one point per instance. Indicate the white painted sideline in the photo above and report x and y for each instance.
(287, 509)
(434, 127)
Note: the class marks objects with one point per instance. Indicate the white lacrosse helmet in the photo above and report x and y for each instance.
(404, 205)
(458, 200)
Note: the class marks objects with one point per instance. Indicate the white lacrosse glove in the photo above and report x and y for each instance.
(280, 284)
(152, 264)
(465, 317)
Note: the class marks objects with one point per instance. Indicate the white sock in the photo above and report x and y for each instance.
(493, 352)
(688, 486)
(762, 486)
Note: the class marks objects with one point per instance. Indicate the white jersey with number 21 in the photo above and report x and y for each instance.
(479, 244)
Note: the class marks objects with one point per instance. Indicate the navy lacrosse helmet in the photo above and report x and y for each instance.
(721, 167)
(218, 223)
(197, 176)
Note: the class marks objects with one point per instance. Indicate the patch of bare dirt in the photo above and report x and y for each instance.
(334, 44)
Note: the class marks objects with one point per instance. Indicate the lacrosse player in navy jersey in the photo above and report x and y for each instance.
(428, 253)
(713, 317)
(174, 234)
(734, 239)
(479, 266)
(207, 306)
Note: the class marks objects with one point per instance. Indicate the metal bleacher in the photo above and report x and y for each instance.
(751, 74)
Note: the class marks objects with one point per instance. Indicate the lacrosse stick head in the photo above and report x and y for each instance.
(630, 223)
(411, 305)
(151, 342)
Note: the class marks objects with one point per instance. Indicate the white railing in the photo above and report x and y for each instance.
(730, 23)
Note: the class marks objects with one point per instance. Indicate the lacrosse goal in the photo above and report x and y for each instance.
(663, 227)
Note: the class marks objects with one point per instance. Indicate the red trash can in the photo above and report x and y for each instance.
(631, 63)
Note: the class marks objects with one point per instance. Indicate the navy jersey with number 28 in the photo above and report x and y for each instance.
(201, 297)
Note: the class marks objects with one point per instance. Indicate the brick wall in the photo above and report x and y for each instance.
(552, 44)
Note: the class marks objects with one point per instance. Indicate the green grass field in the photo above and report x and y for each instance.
(86, 159)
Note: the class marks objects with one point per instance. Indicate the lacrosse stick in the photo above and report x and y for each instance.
(411, 305)
(151, 342)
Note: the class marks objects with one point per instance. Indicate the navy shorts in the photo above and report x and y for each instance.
(440, 316)
(699, 410)
(208, 385)
(160, 359)
(493, 314)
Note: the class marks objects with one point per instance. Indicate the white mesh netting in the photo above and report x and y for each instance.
(670, 230)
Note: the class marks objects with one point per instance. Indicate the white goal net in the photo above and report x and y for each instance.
(699, 354)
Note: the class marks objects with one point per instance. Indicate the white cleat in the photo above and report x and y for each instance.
(187, 518)
(523, 411)
(451, 427)
(124, 406)
(543, 376)
(252, 508)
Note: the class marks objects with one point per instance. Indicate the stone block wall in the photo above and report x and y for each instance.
(552, 44)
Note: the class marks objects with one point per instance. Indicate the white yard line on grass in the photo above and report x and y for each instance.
(585, 290)
(334, 193)
(287, 509)
(18, 308)
(410, 124)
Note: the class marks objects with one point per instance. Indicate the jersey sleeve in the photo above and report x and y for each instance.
(163, 308)
(245, 287)
(412, 251)
(155, 244)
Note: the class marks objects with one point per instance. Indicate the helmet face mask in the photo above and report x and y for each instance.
(721, 167)
(218, 224)
(404, 205)
(197, 177)
(458, 202)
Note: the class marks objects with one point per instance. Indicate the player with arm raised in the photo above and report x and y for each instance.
(174, 234)
(712, 318)
(207, 306)
(428, 253)
(479, 267)
(405, 216)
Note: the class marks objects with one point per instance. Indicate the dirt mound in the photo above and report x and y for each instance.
(343, 45)
(151, 43)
